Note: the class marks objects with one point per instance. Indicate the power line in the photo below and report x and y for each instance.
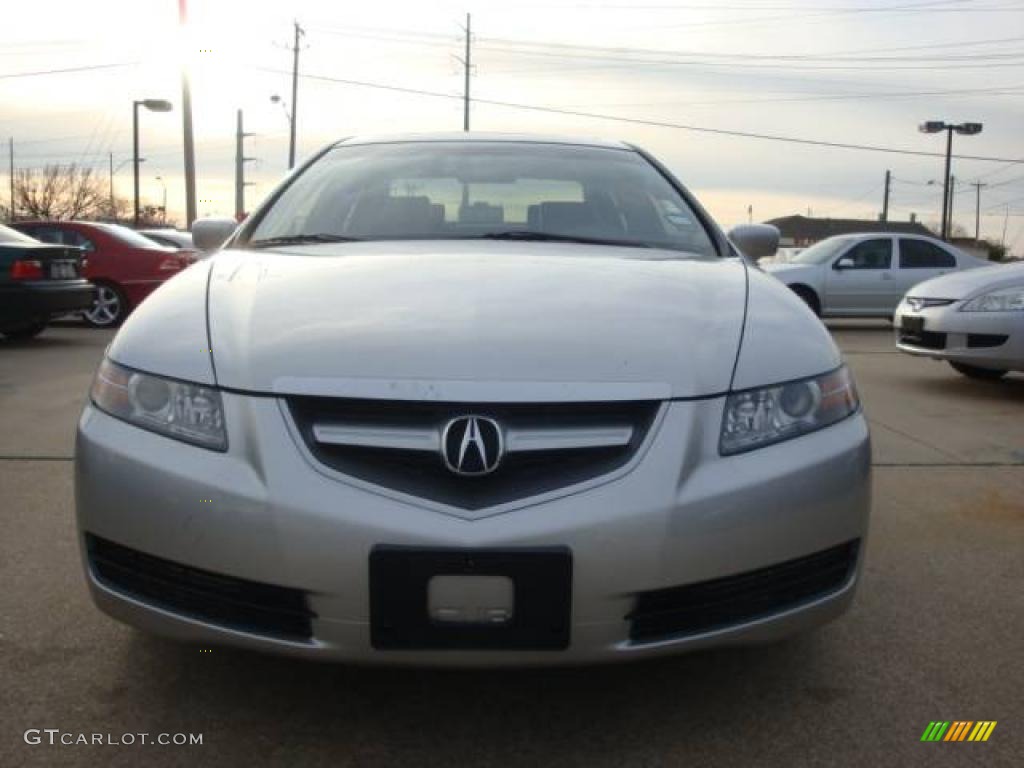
(827, 56)
(1009, 90)
(802, 14)
(1005, 182)
(88, 68)
(751, 62)
(435, 39)
(654, 123)
(923, 7)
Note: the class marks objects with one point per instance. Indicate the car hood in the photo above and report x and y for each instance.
(475, 321)
(788, 268)
(963, 284)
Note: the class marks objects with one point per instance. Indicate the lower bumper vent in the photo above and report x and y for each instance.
(719, 603)
(234, 603)
(923, 339)
(983, 340)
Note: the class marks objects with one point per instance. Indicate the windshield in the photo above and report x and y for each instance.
(821, 251)
(8, 235)
(478, 190)
(130, 237)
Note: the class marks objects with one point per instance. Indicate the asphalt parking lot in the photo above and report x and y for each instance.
(937, 632)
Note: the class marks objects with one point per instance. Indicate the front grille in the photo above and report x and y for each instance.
(422, 473)
(719, 603)
(923, 339)
(982, 340)
(239, 604)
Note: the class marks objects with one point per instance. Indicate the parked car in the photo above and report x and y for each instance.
(38, 282)
(781, 256)
(471, 400)
(866, 275)
(173, 238)
(124, 265)
(974, 320)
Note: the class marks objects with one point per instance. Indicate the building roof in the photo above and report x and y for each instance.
(806, 228)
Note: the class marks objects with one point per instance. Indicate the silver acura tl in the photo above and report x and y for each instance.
(474, 400)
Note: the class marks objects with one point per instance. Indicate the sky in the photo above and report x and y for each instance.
(862, 72)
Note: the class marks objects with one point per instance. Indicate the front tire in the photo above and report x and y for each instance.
(974, 372)
(22, 332)
(109, 308)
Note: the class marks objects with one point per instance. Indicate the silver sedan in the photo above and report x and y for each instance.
(975, 321)
(866, 275)
(474, 400)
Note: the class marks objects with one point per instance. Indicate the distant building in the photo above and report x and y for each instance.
(979, 248)
(802, 231)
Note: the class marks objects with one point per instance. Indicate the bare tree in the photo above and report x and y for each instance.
(61, 192)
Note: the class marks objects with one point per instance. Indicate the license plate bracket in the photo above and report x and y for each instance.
(399, 584)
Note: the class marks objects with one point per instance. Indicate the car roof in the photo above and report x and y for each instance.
(476, 136)
(910, 235)
(58, 223)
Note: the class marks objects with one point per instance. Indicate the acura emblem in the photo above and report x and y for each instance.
(472, 445)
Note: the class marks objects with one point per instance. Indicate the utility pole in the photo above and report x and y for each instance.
(467, 65)
(189, 143)
(10, 147)
(295, 94)
(949, 213)
(885, 198)
(240, 161)
(977, 209)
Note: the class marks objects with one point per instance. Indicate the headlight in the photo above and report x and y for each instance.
(189, 412)
(759, 417)
(1004, 300)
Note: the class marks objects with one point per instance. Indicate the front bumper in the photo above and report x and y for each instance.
(263, 512)
(984, 339)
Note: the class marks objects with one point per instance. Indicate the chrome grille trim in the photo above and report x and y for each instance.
(410, 439)
(348, 440)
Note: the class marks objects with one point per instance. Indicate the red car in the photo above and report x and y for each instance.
(124, 266)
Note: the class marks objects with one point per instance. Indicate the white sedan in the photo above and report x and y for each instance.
(866, 275)
(975, 321)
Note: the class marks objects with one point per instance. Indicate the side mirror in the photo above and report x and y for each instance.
(210, 234)
(756, 241)
(844, 263)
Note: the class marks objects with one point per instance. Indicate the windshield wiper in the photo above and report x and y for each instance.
(531, 235)
(300, 240)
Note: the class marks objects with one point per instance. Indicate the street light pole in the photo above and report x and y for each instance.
(188, 140)
(965, 129)
(295, 95)
(952, 196)
(945, 183)
(153, 105)
(135, 161)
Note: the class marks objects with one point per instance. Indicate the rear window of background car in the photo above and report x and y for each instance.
(920, 254)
